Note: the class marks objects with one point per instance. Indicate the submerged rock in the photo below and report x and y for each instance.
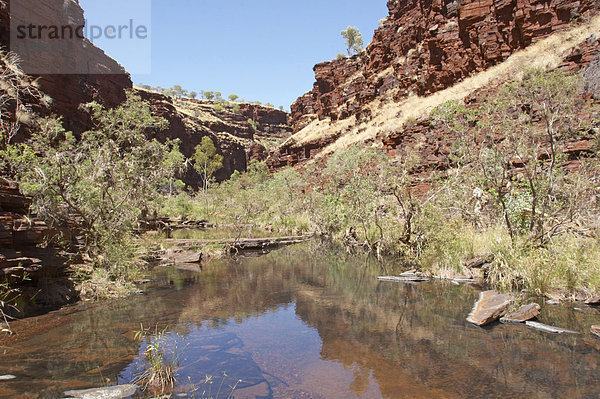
(114, 392)
(489, 308)
(596, 331)
(524, 313)
(7, 377)
(404, 279)
(550, 329)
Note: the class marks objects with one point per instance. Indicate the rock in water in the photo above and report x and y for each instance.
(7, 377)
(596, 331)
(404, 279)
(114, 392)
(525, 312)
(489, 308)
(549, 329)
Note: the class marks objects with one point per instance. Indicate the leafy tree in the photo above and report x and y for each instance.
(102, 183)
(193, 94)
(179, 91)
(218, 95)
(209, 95)
(354, 40)
(170, 93)
(233, 97)
(281, 108)
(174, 164)
(341, 56)
(520, 135)
(236, 108)
(206, 160)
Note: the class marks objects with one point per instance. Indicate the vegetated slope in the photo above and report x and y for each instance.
(240, 131)
(69, 91)
(427, 53)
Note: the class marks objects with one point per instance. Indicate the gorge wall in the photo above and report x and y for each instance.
(106, 82)
(235, 137)
(423, 47)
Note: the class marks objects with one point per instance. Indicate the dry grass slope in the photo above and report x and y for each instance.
(387, 117)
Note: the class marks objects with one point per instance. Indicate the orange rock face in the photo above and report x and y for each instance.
(425, 46)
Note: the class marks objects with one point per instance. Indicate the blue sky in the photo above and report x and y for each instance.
(261, 50)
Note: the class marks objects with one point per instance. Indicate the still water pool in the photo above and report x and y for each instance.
(304, 322)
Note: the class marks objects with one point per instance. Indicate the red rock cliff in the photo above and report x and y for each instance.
(68, 91)
(424, 46)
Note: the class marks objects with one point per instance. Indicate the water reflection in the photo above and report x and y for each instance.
(306, 321)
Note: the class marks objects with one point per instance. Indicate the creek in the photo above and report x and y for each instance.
(305, 321)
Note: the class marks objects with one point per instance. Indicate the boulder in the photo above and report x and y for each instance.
(114, 392)
(490, 307)
(596, 331)
(524, 313)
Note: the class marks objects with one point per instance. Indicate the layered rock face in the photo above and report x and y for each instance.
(424, 46)
(104, 82)
(233, 134)
(23, 254)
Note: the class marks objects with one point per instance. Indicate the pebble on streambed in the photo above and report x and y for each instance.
(7, 377)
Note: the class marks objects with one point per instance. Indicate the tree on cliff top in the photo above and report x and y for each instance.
(354, 40)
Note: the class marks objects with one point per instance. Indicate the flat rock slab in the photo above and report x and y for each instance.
(114, 392)
(7, 377)
(549, 329)
(524, 313)
(464, 280)
(404, 279)
(596, 331)
(489, 308)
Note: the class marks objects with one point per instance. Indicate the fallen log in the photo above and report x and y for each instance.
(242, 244)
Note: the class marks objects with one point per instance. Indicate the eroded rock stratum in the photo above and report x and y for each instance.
(427, 52)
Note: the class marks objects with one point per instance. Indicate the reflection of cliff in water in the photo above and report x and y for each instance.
(416, 343)
(412, 339)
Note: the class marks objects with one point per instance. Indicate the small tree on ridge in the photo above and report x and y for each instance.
(354, 40)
